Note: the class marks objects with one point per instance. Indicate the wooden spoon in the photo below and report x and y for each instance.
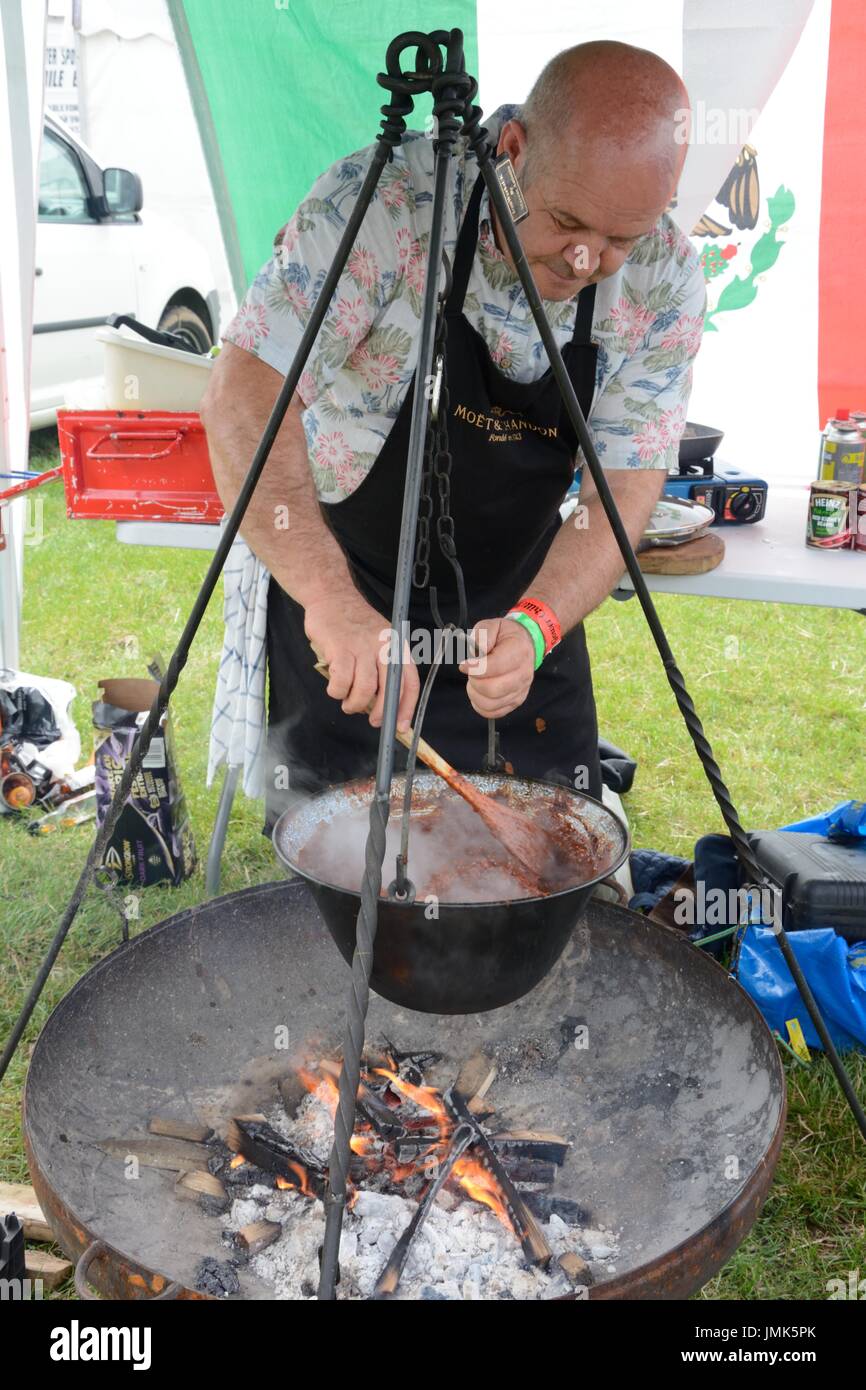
(524, 842)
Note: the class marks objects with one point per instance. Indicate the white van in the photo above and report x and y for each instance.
(97, 255)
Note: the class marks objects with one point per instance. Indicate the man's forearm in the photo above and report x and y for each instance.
(283, 524)
(584, 563)
(285, 528)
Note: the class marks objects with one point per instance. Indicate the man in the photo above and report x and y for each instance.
(597, 151)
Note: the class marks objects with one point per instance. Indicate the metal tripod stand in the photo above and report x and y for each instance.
(453, 92)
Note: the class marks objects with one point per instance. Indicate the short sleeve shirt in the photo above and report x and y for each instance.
(647, 321)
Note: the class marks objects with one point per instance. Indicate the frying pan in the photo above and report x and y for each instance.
(699, 442)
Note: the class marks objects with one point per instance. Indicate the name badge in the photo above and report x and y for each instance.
(510, 187)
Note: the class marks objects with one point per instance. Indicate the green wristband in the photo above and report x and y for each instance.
(534, 631)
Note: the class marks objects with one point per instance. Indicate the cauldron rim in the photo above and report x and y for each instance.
(609, 869)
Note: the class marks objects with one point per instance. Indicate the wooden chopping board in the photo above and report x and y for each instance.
(695, 557)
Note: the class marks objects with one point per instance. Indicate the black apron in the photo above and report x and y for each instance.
(513, 450)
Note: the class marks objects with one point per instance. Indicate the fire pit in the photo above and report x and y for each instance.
(653, 1079)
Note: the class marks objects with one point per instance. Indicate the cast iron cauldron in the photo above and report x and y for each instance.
(474, 956)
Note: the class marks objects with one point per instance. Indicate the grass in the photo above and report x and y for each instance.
(781, 692)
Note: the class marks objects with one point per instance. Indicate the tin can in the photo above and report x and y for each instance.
(17, 791)
(860, 527)
(842, 453)
(832, 516)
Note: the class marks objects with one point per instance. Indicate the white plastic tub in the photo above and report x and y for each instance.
(145, 376)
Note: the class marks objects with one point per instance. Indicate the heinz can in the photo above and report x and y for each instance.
(832, 516)
(860, 527)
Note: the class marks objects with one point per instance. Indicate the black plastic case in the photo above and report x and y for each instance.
(823, 881)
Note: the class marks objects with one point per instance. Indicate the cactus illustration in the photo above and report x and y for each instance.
(740, 291)
(714, 259)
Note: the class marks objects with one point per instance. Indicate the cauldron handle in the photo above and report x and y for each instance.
(93, 1251)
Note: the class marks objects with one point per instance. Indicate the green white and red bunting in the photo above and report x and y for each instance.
(772, 190)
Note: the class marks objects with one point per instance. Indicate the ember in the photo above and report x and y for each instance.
(446, 1202)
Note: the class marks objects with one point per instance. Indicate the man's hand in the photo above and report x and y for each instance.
(500, 676)
(353, 639)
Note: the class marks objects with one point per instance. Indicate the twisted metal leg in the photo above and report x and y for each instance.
(451, 89)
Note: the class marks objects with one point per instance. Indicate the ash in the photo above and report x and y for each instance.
(461, 1252)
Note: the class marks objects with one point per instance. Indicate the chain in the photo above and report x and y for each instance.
(437, 463)
(442, 456)
(421, 569)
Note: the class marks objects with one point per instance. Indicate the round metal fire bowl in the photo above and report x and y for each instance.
(675, 1108)
(470, 957)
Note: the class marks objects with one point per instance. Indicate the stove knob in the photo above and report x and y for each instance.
(743, 505)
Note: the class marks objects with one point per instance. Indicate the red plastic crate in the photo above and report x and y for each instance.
(137, 465)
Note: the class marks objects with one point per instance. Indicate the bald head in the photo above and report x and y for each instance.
(610, 100)
(599, 149)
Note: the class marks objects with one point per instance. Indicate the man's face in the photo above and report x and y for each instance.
(586, 211)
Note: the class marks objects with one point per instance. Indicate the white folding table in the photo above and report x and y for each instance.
(771, 562)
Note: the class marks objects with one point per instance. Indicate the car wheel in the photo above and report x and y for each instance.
(188, 326)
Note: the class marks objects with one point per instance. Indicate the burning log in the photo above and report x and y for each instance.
(378, 1115)
(411, 1065)
(529, 1143)
(370, 1108)
(532, 1239)
(262, 1145)
(521, 1171)
(462, 1136)
(256, 1236)
(521, 1168)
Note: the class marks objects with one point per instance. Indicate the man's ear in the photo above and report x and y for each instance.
(512, 141)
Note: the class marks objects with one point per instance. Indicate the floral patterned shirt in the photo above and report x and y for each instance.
(647, 321)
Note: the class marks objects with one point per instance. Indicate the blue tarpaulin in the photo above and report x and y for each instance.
(836, 972)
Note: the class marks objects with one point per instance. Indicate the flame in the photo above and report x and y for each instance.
(324, 1088)
(479, 1184)
(303, 1185)
(425, 1097)
(322, 1081)
(237, 1162)
(401, 1172)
